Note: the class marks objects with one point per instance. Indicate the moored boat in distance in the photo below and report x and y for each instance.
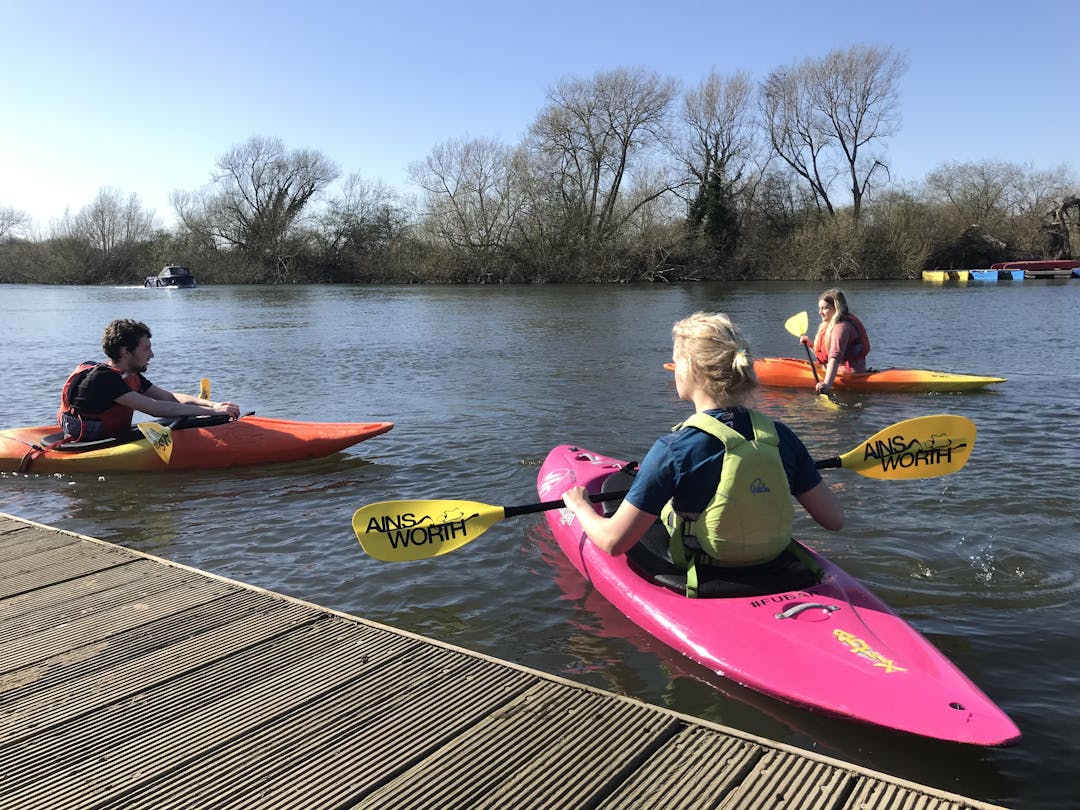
(997, 275)
(173, 276)
(1041, 268)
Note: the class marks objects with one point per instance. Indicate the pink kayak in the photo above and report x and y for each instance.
(828, 644)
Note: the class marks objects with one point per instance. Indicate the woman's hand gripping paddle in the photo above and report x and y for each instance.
(797, 325)
(402, 531)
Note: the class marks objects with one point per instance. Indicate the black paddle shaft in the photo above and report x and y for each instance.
(599, 497)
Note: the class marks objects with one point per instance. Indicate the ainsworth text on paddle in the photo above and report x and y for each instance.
(897, 453)
(408, 529)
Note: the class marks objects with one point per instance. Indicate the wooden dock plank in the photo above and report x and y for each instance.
(347, 742)
(534, 747)
(108, 672)
(100, 616)
(130, 682)
(719, 764)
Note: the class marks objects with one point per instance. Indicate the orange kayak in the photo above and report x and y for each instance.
(789, 372)
(248, 440)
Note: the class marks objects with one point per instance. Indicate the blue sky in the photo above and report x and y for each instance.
(143, 97)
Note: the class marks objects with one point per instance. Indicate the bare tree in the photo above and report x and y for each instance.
(12, 220)
(109, 240)
(797, 135)
(718, 153)
(593, 134)
(719, 122)
(825, 117)
(256, 199)
(111, 224)
(976, 193)
(472, 196)
(987, 191)
(361, 225)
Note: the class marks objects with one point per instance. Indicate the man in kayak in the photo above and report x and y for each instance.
(723, 480)
(841, 343)
(98, 399)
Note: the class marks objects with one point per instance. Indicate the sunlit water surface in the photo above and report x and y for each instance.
(481, 382)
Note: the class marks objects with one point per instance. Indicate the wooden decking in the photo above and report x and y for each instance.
(127, 681)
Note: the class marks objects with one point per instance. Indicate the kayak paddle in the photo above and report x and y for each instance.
(160, 435)
(403, 531)
(160, 438)
(797, 325)
(923, 447)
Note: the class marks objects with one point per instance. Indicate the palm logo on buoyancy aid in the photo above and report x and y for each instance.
(748, 520)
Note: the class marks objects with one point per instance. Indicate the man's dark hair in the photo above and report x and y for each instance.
(124, 333)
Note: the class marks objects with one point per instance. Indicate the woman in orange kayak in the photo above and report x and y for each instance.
(841, 343)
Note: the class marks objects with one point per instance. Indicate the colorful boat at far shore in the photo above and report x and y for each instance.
(790, 372)
(1042, 268)
(197, 442)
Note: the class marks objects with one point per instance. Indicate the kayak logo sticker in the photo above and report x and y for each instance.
(864, 650)
(552, 479)
(899, 453)
(759, 487)
(557, 482)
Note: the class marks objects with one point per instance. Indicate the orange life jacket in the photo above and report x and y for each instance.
(862, 346)
(114, 420)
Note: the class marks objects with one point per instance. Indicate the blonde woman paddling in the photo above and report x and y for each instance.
(724, 479)
(841, 343)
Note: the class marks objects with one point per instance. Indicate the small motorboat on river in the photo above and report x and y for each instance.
(172, 276)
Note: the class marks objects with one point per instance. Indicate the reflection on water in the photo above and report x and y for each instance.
(482, 382)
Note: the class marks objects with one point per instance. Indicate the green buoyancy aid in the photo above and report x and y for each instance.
(748, 520)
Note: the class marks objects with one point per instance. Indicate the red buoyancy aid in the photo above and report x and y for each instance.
(862, 346)
(115, 420)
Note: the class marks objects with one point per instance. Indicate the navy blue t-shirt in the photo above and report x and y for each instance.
(685, 465)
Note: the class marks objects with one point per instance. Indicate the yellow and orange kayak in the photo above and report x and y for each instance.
(246, 441)
(789, 372)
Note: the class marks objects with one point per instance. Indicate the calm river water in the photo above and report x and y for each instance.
(482, 381)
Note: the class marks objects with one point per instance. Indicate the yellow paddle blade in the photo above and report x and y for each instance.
(402, 531)
(798, 324)
(828, 403)
(924, 447)
(204, 388)
(160, 438)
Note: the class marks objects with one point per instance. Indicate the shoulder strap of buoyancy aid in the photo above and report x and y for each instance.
(75, 378)
(764, 428)
(864, 337)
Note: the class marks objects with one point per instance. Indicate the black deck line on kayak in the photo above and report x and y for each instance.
(134, 434)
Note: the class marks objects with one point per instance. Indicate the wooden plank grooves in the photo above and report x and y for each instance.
(130, 682)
